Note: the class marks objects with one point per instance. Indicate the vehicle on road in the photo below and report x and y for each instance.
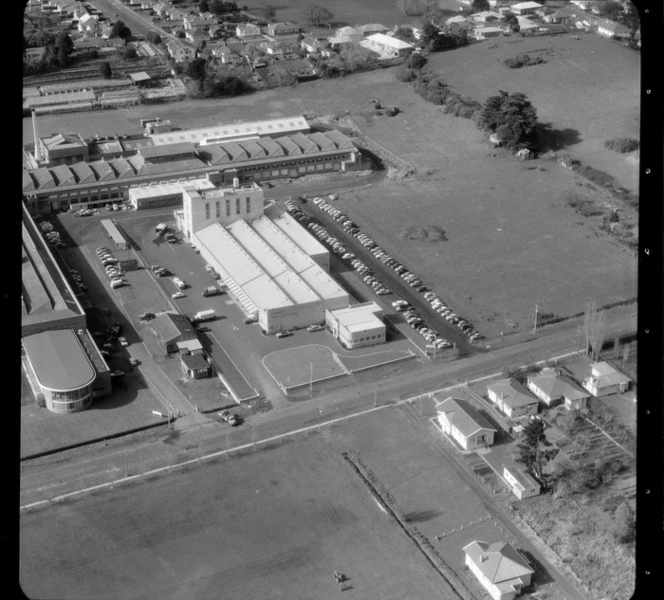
(161, 229)
(178, 282)
(315, 328)
(134, 362)
(204, 315)
(117, 373)
(123, 341)
(178, 295)
(146, 316)
(211, 290)
(283, 334)
(228, 417)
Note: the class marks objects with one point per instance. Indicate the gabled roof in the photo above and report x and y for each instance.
(499, 562)
(102, 170)
(82, 172)
(43, 178)
(607, 375)
(304, 142)
(236, 151)
(253, 149)
(271, 147)
(557, 386)
(62, 175)
(513, 394)
(349, 31)
(122, 167)
(28, 182)
(387, 40)
(63, 140)
(170, 326)
(373, 28)
(464, 417)
(340, 139)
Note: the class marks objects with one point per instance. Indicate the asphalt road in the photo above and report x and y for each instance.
(137, 23)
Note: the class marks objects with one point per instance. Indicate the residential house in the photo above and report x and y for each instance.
(147, 4)
(486, 16)
(556, 17)
(337, 42)
(79, 11)
(312, 44)
(179, 51)
(552, 388)
(105, 31)
(525, 8)
(512, 398)
(611, 29)
(227, 55)
(195, 366)
(481, 33)
(526, 25)
(282, 29)
(247, 30)
(196, 36)
(499, 567)
(350, 32)
(604, 380)
(175, 14)
(160, 8)
(193, 23)
(283, 48)
(372, 28)
(386, 46)
(522, 485)
(464, 423)
(89, 25)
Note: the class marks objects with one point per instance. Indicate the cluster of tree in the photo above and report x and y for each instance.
(405, 34)
(225, 85)
(512, 22)
(594, 329)
(105, 70)
(267, 12)
(512, 118)
(627, 15)
(120, 30)
(534, 451)
(523, 60)
(153, 37)
(317, 15)
(218, 7)
(443, 38)
(622, 145)
(57, 55)
(414, 8)
(408, 71)
(433, 89)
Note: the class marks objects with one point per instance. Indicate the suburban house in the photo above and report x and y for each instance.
(79, 10)
(227, 56)
(556, 17)
(89, 25)
(604, 380)
(552, 388)
(247, 30)
(499, 567)
(611, 29)
(464, 423)
(512, 398)
(195, 366)
(160, 8)
(282, 29)
(179, 51)
(372, 28)
(521, 484)
(526, 25)
(311, 44)
(486, 16)
(192, 22)
(481, 33)
(386, 46)
(337, 42)
(282, 48)
(525, 8)
(350, 32)
(196, 36)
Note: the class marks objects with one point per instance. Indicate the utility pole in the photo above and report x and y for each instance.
(535, 326)
(311, 379)
(376, 396)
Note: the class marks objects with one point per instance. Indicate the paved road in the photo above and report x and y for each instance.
(137, 23)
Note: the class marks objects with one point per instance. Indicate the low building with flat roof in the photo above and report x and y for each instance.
(387, 46)
(522, 485)
(357, 326)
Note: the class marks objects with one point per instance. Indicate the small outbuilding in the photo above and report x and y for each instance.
(139, 79)
(195, 366)
(172, 328)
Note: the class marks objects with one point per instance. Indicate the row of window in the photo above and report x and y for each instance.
(228, 208)
(73, 395)
(368, 338)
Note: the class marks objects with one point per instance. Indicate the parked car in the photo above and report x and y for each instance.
(123, 341)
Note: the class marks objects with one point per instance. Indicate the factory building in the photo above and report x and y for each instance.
(357, 326)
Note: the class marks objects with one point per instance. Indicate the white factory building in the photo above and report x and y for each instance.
(276, 271)
(357, 326)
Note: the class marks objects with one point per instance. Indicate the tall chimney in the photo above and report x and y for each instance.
(34, 133)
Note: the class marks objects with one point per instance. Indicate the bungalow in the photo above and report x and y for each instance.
(175, 14)
(282, 48)
(280, 29)
(79, 10)
(247, 30)
(372, 28)
(196, 36)
(160, 8)
(312, 44)
(525, 8)
(526, 25)
(512, 398)
(192, 22)
(461, 421)
(227, 55)
(337, 42)
(499, 567)
(350, 32)
(611, 29)
(180, 52)
(195, 366)
(89, 25)
(486, 16)
(521, 484)
(604, 379)
(387, 46)
(556, 17)
(552, 388)
(481, 33)
(458, 19)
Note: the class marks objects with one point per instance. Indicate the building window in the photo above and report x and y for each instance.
(217, 209)
(207, 211)
(228, 208)
(237, 206)
(248, 205)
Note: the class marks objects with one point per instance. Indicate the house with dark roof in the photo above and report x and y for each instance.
(372, 28)
(499, 567)
(282, 29)
(464, 423)
(195, 366)
(552, 388)
(172, 328)
(512, 398)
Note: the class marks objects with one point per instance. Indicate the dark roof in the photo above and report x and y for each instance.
(167, 150)
(194, 361)
(172, 326)
(58, 359)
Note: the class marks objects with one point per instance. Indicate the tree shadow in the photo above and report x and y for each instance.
(420, 516)
(556, 139)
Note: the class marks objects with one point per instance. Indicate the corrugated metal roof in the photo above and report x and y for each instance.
(167, 150)
(83, 172)
(271, 147)
(102, 170)
(43, 178)
(62, 175)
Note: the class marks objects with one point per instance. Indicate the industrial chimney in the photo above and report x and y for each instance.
(34, 133)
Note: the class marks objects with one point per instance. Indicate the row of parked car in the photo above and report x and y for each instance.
(85, 212)
(51, 235)
(338, 248)
(411, 279)
(413, 318)
(109, 262)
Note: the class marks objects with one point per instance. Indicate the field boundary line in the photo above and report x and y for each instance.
(608, 436)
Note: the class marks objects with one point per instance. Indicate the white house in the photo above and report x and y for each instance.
(499, 567)
(525, 8)
(180, 52)
(552, 389)
(526, 25)
(512, 398)
(350, 32)
(611, 29)
(89, 25)
(521, 484)
(486, 16)
(464, 423)
(482, 33)
(604, 379)
(386, 46)
(247, 30)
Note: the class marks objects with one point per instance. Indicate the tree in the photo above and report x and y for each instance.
(405, 34)
(154, 38)
(513, 118)
(430, 34)
(267, 11)
(611, 10)
(594, 329)
(64, 43)
(105, 70)
(129, 53)
(317, 15)
(413, 8)
(531, 449)
(196, 69)
(120, 30)
(180, 34)
(203, 6)
(219, 7)
(630, 19)
(416, 61)
(480, 6)
(512, 22)
(625, 525)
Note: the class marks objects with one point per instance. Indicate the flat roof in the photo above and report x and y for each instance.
(59, 360)
(242, 268)
(360, 316)
(167, 150)
(269, 127)
(140, 76)
(306, 242)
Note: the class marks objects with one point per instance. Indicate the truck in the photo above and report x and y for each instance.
(211, 290)
(179, 283)
(229, 418)
(204, 315)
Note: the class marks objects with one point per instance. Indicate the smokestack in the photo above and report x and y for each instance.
(34, 133)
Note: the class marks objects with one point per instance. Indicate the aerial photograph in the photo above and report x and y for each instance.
(329, 299)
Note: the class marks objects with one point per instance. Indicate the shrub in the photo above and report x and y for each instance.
(41, 401)
(622, 145)
(405, 74)
(523, 60)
